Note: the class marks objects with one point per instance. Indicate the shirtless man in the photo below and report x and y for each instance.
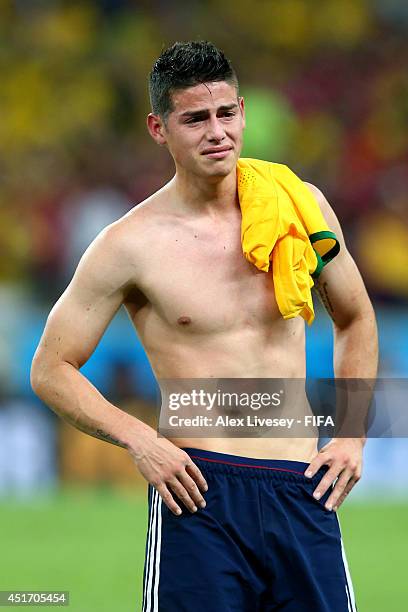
(235, 524)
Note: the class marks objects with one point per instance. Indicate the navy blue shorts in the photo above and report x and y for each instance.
(262, 543)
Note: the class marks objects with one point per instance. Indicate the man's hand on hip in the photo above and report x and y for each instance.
(165, 466)
(344, 456)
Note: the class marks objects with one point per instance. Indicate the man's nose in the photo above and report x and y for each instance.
(215, 129)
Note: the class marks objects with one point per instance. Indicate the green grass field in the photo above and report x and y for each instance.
(91, 542)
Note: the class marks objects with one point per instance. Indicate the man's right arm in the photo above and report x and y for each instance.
(74, 327)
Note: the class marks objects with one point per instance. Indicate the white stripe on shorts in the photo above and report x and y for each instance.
(349, 585)
(158, 552)
(151, 586)
(148, 549)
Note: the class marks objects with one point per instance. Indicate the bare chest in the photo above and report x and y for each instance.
(200, 280)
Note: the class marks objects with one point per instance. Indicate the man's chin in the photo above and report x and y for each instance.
(219, 168)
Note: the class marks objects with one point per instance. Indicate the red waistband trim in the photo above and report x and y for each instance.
(257, 467)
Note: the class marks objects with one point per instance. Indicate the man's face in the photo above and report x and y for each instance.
(204, 130)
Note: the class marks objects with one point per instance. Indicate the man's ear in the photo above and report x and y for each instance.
(241, 103)
(156, 128)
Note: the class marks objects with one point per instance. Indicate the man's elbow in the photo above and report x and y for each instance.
(47, 369)
(38, 375)
(43, 372)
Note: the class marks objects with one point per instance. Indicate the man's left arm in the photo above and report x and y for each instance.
(342, 291)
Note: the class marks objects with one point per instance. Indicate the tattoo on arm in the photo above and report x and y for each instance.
(322, 289)
(108, 438)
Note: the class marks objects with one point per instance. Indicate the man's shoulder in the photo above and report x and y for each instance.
(116, 256)
(316, 191)
(328, 213)
(135, 226)
(320, 199)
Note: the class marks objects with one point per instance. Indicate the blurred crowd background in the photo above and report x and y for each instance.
(326, 88)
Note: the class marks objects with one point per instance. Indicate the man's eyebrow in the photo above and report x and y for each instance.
(204, 111)
(228, 106)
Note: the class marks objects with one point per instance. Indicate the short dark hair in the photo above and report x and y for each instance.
(183, 65)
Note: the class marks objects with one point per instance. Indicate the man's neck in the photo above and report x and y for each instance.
(214, 196)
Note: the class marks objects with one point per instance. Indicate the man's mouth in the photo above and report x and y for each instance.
(217, 152)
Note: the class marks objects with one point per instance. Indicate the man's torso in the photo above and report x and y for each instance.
(202, 311)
